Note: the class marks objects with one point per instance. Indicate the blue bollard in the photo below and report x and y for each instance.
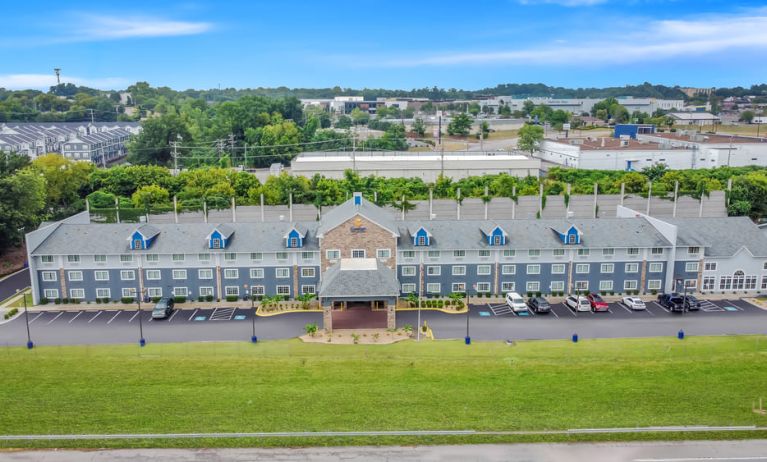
(30, 345)
(467, 340)
(142, 342)
(680, 334)
(575, 338)
(254, 339)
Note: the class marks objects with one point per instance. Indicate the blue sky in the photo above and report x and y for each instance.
(391, 44)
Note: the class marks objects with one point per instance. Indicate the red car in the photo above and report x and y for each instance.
(597, 304)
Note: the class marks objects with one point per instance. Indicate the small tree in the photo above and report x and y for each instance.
(529, 137)
(419, 128)
(311, 328)
(305, 299)
(460, 125)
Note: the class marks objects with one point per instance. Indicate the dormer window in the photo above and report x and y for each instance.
(421, 240)
(421, 237)
(137, 244)
(220, 237)
(572, 238)
(293, 242)
(497, 240)
(294, 238)
(216, 243)
(143, 237)
(494, 235)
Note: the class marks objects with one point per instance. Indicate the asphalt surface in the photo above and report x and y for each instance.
(14, 282)
(486, 322)
(687, 451)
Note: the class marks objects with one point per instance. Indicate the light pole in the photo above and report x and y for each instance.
(249, 294)
(467, 340)
(141, 339)
(30, 345)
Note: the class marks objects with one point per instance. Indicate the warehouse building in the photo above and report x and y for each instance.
(614, 153)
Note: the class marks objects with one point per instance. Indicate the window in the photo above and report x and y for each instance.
(129, 292)
(693, 250)
(77, 293)
(101, 275)
(656, 251)
(582, 268)
(483, 287)
(216, 243)
(307, 273)
(534, 252)
(407, 254)
(710, 281)
(572, 239)
(459, 287)
(358, 253)
(421, 240)
(633, 251)
(283, 290)
(605, 285)
(630, 284)
(333, 254)
(497, 240)
(203, 257)
(750, 282)
(433, 270)
(205, 273)
(231, 273)
(433, 287)
(725, 283)
(691, 284)
(408, 288)
(282, 255)
(152, 257)
(152, 275)
(533, 286)
(180, 291)
(764, 282)
(127, 275)
(608, 252)
(293, 242)
(581, 285)
(691, 267)
(764, 267)
(508, 269)
(558, 252)
(654, 284)
(232, 290)
(230, 256)
(99, 258)
(51, 293)
(73, 258)
(383, 253)
(256, 256)
(557, 286)
(738, 280)
(256, 273)
(483, 270)
(306, 255)
(178, 257)
(484, 253)
(607, 268)
(533, 269)
(49, 276)
(206, 291)
(655, 267)
(408, 270)
(257, 290)
(282, 273)
(75, 275)
(583, 252)
(508, 286)
(459, 270)
(632, 267)
(709, 266)
(308, 289)
(126, 258)
(179, 274)
(459, 253)
(558, 268)
(508, 253)
(432, 254)
(47, 259)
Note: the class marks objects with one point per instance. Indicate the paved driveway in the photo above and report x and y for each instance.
(14, 282)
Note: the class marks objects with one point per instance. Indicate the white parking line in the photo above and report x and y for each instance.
(625, 307)
(33, 319)
(131, 319)
(554, 313)
(726, 303)
(113, 317)
(78, 314)
(175, 312)
(97, 315)
(57, 317)
(195, 312)
(661, 307)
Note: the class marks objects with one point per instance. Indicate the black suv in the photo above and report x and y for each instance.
(538, 305)
(691, 303)
(672, 302)
(163, 308)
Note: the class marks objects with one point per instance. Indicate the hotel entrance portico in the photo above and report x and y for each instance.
(358, 293)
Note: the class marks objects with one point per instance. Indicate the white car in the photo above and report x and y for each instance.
(634, 303)
(578, 303)
(516, 302)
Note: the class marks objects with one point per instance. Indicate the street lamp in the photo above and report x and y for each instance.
(467, 340)
(30, 345)
(251, 295)
(141, 339)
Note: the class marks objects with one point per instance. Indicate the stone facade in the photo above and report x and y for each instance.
(358, 233)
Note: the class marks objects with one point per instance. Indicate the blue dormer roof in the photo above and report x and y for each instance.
(143, 237)
(494, 234)
(220, 237)
(421, 236)
(295, 236)
(572, 236)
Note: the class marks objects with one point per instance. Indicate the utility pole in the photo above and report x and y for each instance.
(231, 146)
(174, 145)
(91, 115)
(57, 71)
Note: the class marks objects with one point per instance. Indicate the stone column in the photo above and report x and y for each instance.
(327, 317)
(391, 321)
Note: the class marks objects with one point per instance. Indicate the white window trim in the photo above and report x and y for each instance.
(152, 272)
(208, 274)
(173, 274)
(229, 271)
(282, 270)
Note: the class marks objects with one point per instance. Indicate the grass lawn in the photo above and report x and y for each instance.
(20, 302)
(750, 130)
(439, 385)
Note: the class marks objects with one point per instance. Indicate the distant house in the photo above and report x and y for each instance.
(694, 118)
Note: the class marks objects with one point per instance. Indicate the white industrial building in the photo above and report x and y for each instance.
(425, 165)
(613, 154)
(714, 150)
(581, 105)
(694, 118)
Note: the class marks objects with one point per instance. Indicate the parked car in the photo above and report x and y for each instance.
(163, 308)
(672, 302)
(539, 305)
(578, 303)
(597, 303)
(691, 303)
(633, 303)
(516, 302)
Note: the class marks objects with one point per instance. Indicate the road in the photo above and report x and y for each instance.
(487, 322)
(14, 282)
(688, 451)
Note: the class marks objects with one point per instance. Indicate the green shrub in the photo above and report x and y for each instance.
(12, 312)
(43, 301)
(209, 298)
(311, 328)
(231, 298)
(57, 301)
(127, 299)
(179, 299)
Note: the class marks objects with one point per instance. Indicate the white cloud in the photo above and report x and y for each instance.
(659, 40)
(44, 81)
(568, 3)
(101, 27)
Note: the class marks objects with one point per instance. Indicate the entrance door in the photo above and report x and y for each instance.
(358, 315)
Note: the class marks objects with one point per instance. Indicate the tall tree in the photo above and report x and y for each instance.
(530, 137)
(459, 125)
(152, 145)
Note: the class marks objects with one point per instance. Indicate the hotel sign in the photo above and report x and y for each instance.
(357, 226)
